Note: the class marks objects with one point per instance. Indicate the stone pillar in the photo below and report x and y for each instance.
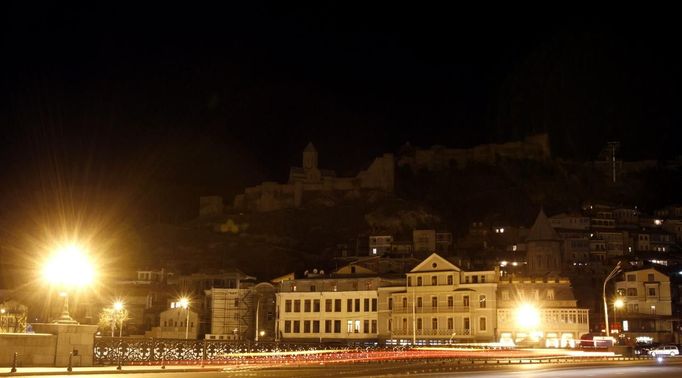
(76, 338)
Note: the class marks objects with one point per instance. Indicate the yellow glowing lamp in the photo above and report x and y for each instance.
(69, 266)
(527, 316)
(619, 303)
(183, 302)
(118, 306)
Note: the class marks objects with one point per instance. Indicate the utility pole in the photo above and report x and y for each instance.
(613, 146)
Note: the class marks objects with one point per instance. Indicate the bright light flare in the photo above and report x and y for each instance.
(619, 303)
(69, 266)
(527, 316)
(183, 302)
(118, 305)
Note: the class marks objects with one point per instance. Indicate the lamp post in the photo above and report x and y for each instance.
(618, 303)
(613, 273)
(68, 268)
(118, 308)
(184, 303)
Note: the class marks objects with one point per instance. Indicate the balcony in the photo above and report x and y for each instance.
(459, 333)
(432, 310)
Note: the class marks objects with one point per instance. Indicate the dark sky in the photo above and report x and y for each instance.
(166, 102)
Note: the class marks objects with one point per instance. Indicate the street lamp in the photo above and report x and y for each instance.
(618, 303)
(118, 310)
(68, 268)
(527, 316)
(184, 303)
(613, 273)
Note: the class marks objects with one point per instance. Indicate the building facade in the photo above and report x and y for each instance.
(647, 310)
(539, 311)
(443, 303)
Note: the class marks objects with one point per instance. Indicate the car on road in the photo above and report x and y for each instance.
(664, 350)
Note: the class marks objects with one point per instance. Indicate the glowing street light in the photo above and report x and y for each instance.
(184, 303)
(527, 316)
(68, 268)
(117, 314)
(618, 303)
(613, 273)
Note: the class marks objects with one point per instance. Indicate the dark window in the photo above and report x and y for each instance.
(450, 301)
(390, 303)
(434, 323)
(337, 326)
(349, 305)
(287, 326)
(465, 301)
(337, 305)
(434, 280)
(366, 304)
(450, 280)
(287, 305)
(316, 305)
(419, 281)
(328, 326)
(306, 305)
(434, 302)
(316, 326)
(297, 326)
(328, 305)
(374, 304)
(312, 287)
(374, 326)
(365, 326)
(482, 301)
(297, 305)
(419, 301)
(404, 302)
(306, 326)
(357, 305)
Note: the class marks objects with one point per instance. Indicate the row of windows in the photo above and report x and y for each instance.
(482, 302)
(330, 326)
(632, 292)
(331, 305)
(171, 323)
(534, 293)
(450, 324)
(550, 316)
(449, 280)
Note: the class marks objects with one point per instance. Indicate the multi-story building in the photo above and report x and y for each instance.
(247, 313)
(198, 285)
(176, 323)
(647, 310)
(424, 241)
(531, 310)
(379, 244)
(342, 306)
(442, 303)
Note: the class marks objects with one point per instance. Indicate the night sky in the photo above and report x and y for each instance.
(151, 106)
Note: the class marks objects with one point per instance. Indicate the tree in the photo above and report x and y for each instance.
(110, 318)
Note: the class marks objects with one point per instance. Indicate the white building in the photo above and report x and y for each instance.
(647, 310)
(442, 302)
(328, 308)
(539, 311)
(176, 323)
